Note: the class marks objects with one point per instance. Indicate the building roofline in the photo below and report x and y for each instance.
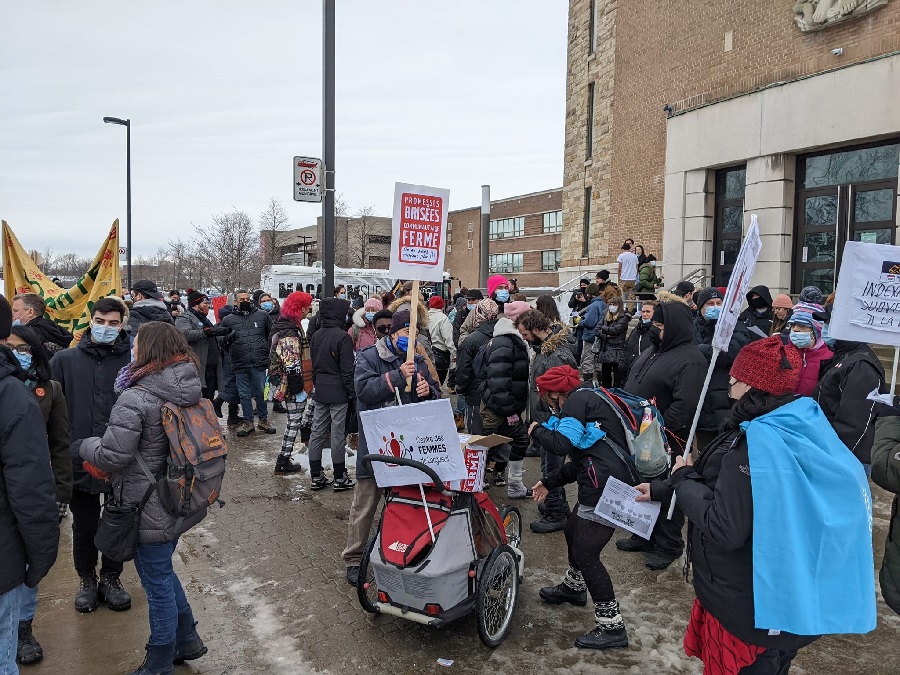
(509, 199)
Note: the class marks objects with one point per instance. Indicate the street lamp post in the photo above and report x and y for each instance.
(127, 125)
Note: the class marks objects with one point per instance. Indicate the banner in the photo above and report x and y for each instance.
(424, 432)
(419, 232)
(738, 285)
(867, 299)
(70, 308)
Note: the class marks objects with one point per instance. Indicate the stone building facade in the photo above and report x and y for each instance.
(704, 111)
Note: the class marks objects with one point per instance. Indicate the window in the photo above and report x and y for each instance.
(449, 234)
(592, 28)
(729, 221)
(506, 262)
(550, 260)
(586, 233)
(507, 227)
(379, 239)
(471, 227)
(471, 245)
(553, 222)
(590, 123)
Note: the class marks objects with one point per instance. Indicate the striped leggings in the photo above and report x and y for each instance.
(292, 428)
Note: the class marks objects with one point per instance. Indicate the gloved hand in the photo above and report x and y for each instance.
(63, 508)
(96, 472)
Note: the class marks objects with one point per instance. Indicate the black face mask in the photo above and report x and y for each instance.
(245, 306)
(758, 303)
(537, 342)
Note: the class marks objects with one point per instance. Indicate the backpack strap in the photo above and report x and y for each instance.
(149, 474)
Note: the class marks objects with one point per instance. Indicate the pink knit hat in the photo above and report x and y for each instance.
(374, 304)
(495, 281)
(511, 310)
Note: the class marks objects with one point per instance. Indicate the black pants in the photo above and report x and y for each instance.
(518, 432)
(85, 509)
(771, 662)
(608, 375)
(586, 540)
(442, 374)
(666, 536)
(209, 392)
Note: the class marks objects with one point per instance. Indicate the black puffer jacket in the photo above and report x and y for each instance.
(716, 406)
(610, 338)
(460, 318)
(53, 337)
(248, 342)
(145, 311)
(29, 521)
(673, 372)
(505, 388)
(592, 467)
(467, 380)
(845, 381)
(886, 473)
(87, 372)
(332, 354)
(760, 319)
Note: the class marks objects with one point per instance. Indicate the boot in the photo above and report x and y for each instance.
(284, 465)
(320, 481)
(158, 660)
(572, 590)
(265, 427)
(233, 418)
(634, 544)
(86, 599)
(110, 589)
(551, 522)
(657, 562)
(245, 429)
(29, 649)
(609, 631)
(188, 645)
(515, 487)
(278, 407)
(217, 406)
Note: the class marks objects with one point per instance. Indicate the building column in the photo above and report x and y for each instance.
(771, 195)
(689, 206)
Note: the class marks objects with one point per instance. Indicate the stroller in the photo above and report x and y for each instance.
(438, 554)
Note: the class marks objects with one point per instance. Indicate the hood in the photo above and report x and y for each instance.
(384, 352)
(359, 318)
(405, 303)
(666, 296)
(487, 327)
(51, 331)
(284, 324)
(763, 292)
(557, 339)
(333, 312)
(150, 302)
(437, 312)
(679, 325)
(178, 384)
(154, 310)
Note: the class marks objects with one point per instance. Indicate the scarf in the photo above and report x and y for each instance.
(202, 318)
(129, 376)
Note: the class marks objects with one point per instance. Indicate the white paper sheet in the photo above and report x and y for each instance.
(617, 504)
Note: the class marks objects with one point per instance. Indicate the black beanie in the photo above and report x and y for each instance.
(658, 314)
(5, 318)
(399, 321)
(705, 295)
(194, 298)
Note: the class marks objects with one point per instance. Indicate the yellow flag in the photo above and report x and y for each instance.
(70, 308)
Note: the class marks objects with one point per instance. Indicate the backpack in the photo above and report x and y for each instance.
(645, 433)
(196, 463)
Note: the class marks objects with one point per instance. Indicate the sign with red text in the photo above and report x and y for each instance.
(419, 232)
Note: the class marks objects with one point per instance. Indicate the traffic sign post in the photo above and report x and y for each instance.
(307, 179)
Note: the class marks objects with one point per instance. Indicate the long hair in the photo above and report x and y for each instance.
(160, 344)
(546, 305)
(39, 355)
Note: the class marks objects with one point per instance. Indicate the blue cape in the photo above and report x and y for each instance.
(580, 436)
(813, 568)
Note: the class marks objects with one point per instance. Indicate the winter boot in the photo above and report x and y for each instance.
(188, 645)
(284, 465)
(245, 429)
(110, 590)
(572, 590)
(658, 562)
(86, 599)
(217, 406)
(551, 522)
(278, 407)
(29, 649)
(609, 631)
(634, 544)
(158, 661)
(515, 487)
(265, 427)
(233, 418)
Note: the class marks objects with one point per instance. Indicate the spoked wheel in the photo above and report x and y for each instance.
(495, 599)
(366, 588)
(512, 525)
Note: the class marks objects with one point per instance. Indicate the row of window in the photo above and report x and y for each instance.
(515, 262)
(505, 228)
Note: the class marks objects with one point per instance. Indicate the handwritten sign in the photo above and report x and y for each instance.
(867, 300)
(419, 232)
(617, 505)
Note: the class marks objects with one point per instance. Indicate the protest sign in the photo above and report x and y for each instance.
(475, 451)
(218, 302)
(867, 300)
(419, 232)
(423, 432)
(738, 285)
(619, 506)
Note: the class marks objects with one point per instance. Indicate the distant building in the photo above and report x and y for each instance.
(292, 247)
(360, 241)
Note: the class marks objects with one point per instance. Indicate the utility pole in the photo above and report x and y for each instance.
(485, 233)
(328, 147)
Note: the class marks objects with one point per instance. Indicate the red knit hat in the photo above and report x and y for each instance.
(436, 302)
(562, 379)
(769, 366)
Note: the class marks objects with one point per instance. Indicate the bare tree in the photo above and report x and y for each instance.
(359, 232)
(228, 249)
(341, 206)
(273, 223)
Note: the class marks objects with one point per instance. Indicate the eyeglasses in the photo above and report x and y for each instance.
(22, 349)
(382, 330)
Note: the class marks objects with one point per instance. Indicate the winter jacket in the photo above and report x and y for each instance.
(577, 301)
(592, 467)
(29, 520)
(468, 382)
(52, 401)
(87, 373)
(845, 382)
(761, 320)
(376, 380)
(556, 350)
(290, 356)
(361, 332)
(248, 341)
(716, 406)
(672, 373)
(441, 332)
(332, 354)
(609, 340)
(53, 337)
(716, 497)
(504, 390)
(462, 314)
(809, 371)
(886, 474)
(423, 338)
(466, 329)
(204, 344)
(593, 315)
(135, 426)
(145, 311)
(644, 336)
(647, 281)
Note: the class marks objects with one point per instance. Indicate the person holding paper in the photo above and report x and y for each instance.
(581, 430)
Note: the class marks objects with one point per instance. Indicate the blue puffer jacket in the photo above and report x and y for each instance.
(592, 317)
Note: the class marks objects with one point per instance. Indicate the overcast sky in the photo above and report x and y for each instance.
(222, 94)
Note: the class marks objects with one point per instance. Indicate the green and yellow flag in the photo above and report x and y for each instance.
(70, 308)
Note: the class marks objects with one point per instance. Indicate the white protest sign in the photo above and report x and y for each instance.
(617, 504)
(738, 285)
(419, 232)
(423, 432)
(867, 300)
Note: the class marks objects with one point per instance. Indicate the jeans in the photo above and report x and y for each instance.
(555, 502)
(9, 630)
(29, 603)
(165, 596)
(251, 384)
(85, 509)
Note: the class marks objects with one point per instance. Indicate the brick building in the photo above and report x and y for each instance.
(525, 240)
(682, 118)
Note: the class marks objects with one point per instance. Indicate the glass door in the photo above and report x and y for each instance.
(729, 221)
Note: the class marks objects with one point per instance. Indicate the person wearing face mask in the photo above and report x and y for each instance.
(609, 343)
(27, 348)
(647, 281)
(468, 381)
(462, 324)
(759, 314)
(363, 330)
(716, 405)
(28, 310)
(269, 305)
(643, 336)
(806, 337)
(202, 336)
(87, 373)
(498, 289)
(781, 312)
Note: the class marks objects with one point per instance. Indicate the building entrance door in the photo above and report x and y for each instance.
(848, 195)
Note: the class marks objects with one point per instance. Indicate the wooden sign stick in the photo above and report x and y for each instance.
(413, 325)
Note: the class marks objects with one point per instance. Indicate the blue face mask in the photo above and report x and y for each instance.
(369, 316)
(267, 306)
(342, 296)
(502, 295)
(24, 360)
(470, 307)
(645, 321)
(801, 340)
(16, 322)
(402, 344)
(712, 313)
(104, 335)
(826, 338)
